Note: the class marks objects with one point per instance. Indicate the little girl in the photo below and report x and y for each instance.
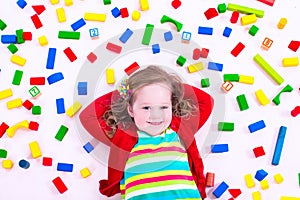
(149, 124)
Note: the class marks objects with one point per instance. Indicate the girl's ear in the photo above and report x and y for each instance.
(129, 110)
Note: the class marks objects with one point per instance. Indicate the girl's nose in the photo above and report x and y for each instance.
(156, 113)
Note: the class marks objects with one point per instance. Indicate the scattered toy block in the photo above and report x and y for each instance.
(165, 19)
(65, 167)
(17, 77)
(72, 110)
(132, 68)
(256, 195)
(116, 12)
(248, 19)
(235, 192)
(106, 2)
(3, 128)
(53, 2)
(124, 12)
(260, 174)
(219, 191)
(136, 15)
(295, 111)
(211, 13)
(33, 126)
(43, 40)
(147, 34)
(155, 48)
(287, 88)
(259, 151)
(195, 67)
(12, 48)
(215, 66)
(219, 148)
(267, 43)
(18, 60)
(126, 35)
(234, 17)
(245, 10)
(61, 133)
(289, 198)
(113, 47)
(12, 130)
(225, 126)
(278, 178)
(256, 126)
(279, 145)
(261, 97)
(282, 22)
(88, 147)
(205, 82)
(110, 76)
(2, 25)
(35, 149)
(222, 8)
(7, 164)
(205, 30)
(253, 30)
(51, 58)
(20, 39)
(242, 102)
(246, 79)
(264, 184)
(181, 60)
(144, 4)
(27, 36)
(237, 49)
(55, 78)
(196, 53)
(21, 3)
(47, 161)
(8, 39)
(176, 4)
(69, 35)
(231, 77)
(92, 57)
(34, 91)
(39, 9)
(60, 105)
(290, 62)
(6, 93)
(61, 15)
(204, 53)
(268, 2)
(227, 31)
(36, 21)
(27, 104)
(210, 179)
(82, 88)
(78, 24)
(68, 2)
(98, 17)
(168, 36)
(14, 103)
(36, 110)
(249, 181)
(37, 80)
(24, 164)
(59, 184)
(294, 45)
(227, 86)
(85, 172)
(3, 153)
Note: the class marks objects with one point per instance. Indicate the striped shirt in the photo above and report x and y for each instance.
(158, 168)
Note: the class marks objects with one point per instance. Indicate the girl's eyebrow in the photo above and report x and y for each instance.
(146, 103)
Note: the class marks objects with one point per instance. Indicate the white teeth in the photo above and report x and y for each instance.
(155, 123)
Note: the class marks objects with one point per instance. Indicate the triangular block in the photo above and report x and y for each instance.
(39, 9)
(234, 192)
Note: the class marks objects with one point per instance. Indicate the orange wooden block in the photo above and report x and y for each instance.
(227, 86)
(267, 43)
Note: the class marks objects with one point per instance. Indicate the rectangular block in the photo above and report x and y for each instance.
(3, 153)
(261, 97)
(249, 181)
(61, 133)
(205, 30)
(3, 128)
(110, 76)
(60, 106)
(17, 77)
(65, 167)
(51, 58)
(78, 24)
(245, 10)
(8, 39)
(113, 47)
(126, 35)
(147, 34)
(74, 109)
(88, 147)
(14, 103)
(82, 88)
(195, 67)
(70, 54)
(61, 16)
(219, 148)
(256, 126)
(256, 195)
(18, 60)
(225, 126)
(95, 17)
(215, 66)
(37, 80)
(248, 19)
(35, 149)
(242, 102)
(237, 49)
(246, 79)
(36, 21)
(231, 77)
(290, 62)
(69, 35)
(59, 184)
(6, 93)
(220, 189)
(279, 145)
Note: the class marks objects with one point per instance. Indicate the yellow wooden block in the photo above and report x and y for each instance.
(135, 15)
(290, 62)
(289, 198)
(85, 172)
(144, 5)
(15, 103)
(6, 93)
(248, 19)
(11, 130)
(282, 22)
(43, 40)
(95, 17)
(278, 178)
(261, 97)
(246, 79)
(18, 60)
(256, 195)
(73, 109)
(195, 67)
(35, 149)
(68, 2)
(110, 76)
(7, 164)
(53, 2)
(264, 184)
(61, 16)
(249, 181)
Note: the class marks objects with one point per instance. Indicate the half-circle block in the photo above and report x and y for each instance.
(165, 19)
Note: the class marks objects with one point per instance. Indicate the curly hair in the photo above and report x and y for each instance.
(118, 113)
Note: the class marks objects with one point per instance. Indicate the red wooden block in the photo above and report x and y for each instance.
(210, 179)
(259, 151)
(47, 161)
(204, 53)
(36, 21)
(176, 4)
(196, 53)
(70, 54)
(124, 12)
(59, 184)
(211, 13)
(231, 198)
(37, 80)
(295, 111)
(3, 128)
(237, 49)
(33, 126)
(39, 9)
(294, 45)
(27, 36)
(27, 104)
(113, 47)
(234, 17)
(92, 57)
(268, 2)
(235, 192)
(132, 68)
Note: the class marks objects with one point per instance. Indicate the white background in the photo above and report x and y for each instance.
(36, 182)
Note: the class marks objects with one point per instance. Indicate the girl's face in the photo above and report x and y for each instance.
(152, 108)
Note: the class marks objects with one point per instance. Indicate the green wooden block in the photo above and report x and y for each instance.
(3, 153)
(245, 10)
(61, 133)
(276, 99)
(20, 38)
(205, 82)
(253, 30)
(165, 19)
(2, 25)
(226, 126)
(222, 8)
(231, 77)
(17, 77)
(69, 35)
(241, 99)
(36, 110)
(34, 91)
(107, 2)
(181, 60)
(299, 178)
(147, 34)
(12, 48)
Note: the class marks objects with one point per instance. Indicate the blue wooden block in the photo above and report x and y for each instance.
(8, 39)
(66, 167)
(219, 148)
(256, 126)
(168, 36)
(126, 35)
(205, 30)
(55, 78)
(116, 12)
(82, 88)
(88, 147)
(78, 24)
(21, 3)
(260, 174)
(155, 48)
(220, 189)
(215, 66)
(227, 31)
(51, 58)
(279, 145)
(60, 106)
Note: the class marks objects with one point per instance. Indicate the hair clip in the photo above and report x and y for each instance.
(124, 90)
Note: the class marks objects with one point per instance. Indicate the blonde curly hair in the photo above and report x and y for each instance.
(152, 74)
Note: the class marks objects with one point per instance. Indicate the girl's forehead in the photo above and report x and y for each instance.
(154, 93)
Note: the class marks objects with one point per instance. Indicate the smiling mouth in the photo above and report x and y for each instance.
(155, 123)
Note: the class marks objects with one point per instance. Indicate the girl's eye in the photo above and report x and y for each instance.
(146, 107)
(164, 107)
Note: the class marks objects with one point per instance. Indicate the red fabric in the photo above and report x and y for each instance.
(124, 140)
